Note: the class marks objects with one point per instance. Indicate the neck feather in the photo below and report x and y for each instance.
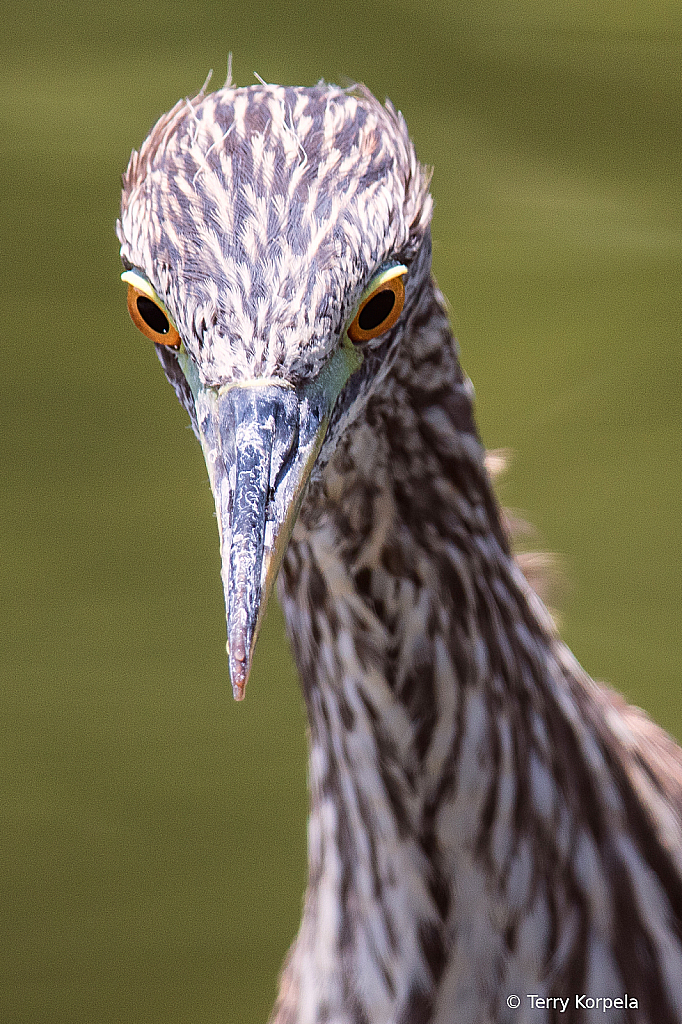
(454, 741)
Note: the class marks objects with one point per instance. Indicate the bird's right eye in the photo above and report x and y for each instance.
(381, 304)
(148, 312)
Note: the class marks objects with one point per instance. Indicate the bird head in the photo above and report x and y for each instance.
(274, 242)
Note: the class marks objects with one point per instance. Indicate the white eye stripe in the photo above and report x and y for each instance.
(397, 270)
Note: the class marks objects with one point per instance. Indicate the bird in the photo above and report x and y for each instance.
(493, 836)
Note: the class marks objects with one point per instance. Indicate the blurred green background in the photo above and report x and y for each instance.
(152, 848)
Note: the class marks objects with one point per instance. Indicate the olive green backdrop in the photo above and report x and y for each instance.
(152, 836)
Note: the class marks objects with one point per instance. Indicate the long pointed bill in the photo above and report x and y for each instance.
(260, 440)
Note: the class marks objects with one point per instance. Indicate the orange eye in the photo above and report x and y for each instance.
(380, 305)
(148, 312)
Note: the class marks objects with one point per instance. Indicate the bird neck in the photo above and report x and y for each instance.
(408, 618)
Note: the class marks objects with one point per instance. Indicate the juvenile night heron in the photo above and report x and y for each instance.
(492, 835)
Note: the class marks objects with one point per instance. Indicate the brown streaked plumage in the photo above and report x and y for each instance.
(485, 819)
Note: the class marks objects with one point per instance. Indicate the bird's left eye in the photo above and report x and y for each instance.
(148, 312)
(380, 305)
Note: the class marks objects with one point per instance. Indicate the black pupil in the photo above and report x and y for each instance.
(154, 317)
(376, 310)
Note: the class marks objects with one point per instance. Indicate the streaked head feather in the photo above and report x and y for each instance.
(259, 215)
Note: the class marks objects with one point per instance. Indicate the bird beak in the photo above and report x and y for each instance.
(260, 440)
